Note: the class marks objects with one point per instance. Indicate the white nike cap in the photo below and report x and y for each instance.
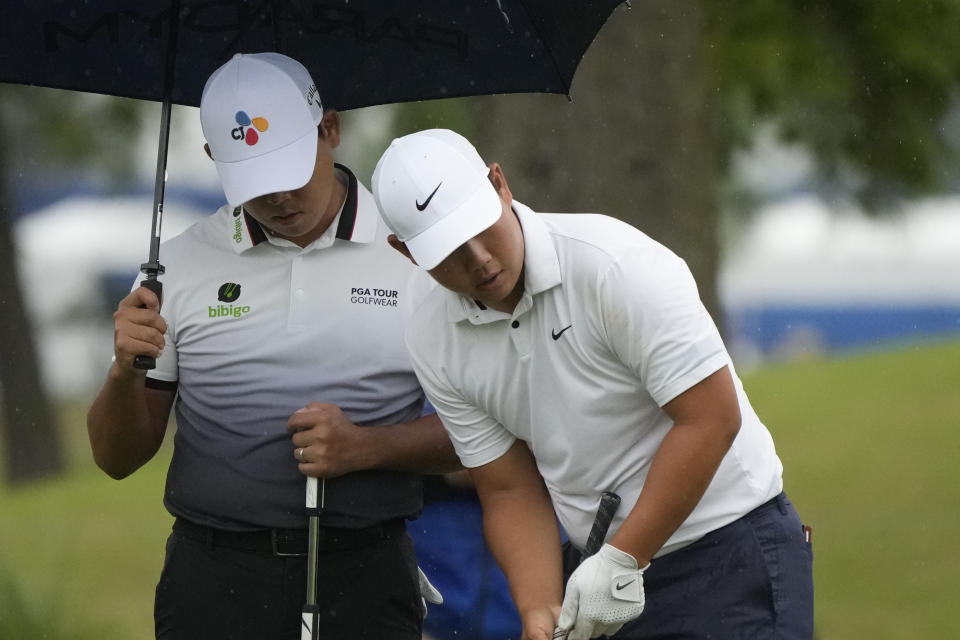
(433, 192)
(259, 113)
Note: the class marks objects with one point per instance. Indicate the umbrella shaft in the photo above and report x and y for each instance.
(160, 183)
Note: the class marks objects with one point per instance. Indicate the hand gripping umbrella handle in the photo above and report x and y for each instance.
(149, 362)
(153, 267)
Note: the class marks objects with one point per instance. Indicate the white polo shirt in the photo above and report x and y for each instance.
(258, 328)
(610, 328)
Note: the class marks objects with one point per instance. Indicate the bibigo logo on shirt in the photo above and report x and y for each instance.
(228, 292)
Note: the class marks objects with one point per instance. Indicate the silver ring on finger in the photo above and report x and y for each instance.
(300, 454)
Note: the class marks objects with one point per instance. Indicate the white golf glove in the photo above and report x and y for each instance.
(603, 594)
(428, 593)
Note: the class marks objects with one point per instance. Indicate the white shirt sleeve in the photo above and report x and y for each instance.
(477, 437)
(656, 323)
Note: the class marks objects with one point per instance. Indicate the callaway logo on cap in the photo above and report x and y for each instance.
(433, 192)
(259, 114)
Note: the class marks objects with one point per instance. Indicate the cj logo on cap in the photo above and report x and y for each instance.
(247, 132)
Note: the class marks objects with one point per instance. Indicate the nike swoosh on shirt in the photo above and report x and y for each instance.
(421, 207)
(556, 334)
(624, 586)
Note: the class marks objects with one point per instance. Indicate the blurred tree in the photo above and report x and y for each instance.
(865, 85)
(632, 143)
(671, 89)
(31, 444)
(40, 129)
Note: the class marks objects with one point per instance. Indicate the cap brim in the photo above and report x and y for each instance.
(283, 169)
(475, 215)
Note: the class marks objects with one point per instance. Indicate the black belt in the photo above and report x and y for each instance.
(289, 542)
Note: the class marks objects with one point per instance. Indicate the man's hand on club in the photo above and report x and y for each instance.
(538, 623)
(603, 594)
(326, 443)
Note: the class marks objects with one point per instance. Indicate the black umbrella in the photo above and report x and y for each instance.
(361, 53)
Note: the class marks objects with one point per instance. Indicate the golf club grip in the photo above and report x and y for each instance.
(609, 502)
(149, 362)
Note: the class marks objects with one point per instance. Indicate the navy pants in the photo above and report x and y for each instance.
(749, 580)
(216, 592)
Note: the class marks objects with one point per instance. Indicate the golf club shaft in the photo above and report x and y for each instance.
(313, 539)
(316, 490)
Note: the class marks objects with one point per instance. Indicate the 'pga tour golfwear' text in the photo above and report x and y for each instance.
(258, 327)
(610, 328)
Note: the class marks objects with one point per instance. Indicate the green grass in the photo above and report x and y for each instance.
(81, 553)
(870, 450)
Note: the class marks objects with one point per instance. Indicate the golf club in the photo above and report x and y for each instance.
(311, 610)
(609, 502)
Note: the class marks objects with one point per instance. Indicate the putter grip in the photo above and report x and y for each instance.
(609, 502)
(149, 362)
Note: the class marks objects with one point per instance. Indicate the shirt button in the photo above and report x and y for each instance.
(299, 293)
(515, 324)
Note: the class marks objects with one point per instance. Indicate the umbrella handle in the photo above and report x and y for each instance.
(149, 362)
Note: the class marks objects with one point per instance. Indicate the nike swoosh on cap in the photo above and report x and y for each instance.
(421, 207)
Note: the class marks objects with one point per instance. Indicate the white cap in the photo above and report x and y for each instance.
(259, 114)
(433, 192)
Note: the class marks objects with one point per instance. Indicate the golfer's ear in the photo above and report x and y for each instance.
(400, 246)
(330, 125)
(499, 182)
(206, 147)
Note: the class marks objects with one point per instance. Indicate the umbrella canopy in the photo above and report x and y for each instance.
(360, 52)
